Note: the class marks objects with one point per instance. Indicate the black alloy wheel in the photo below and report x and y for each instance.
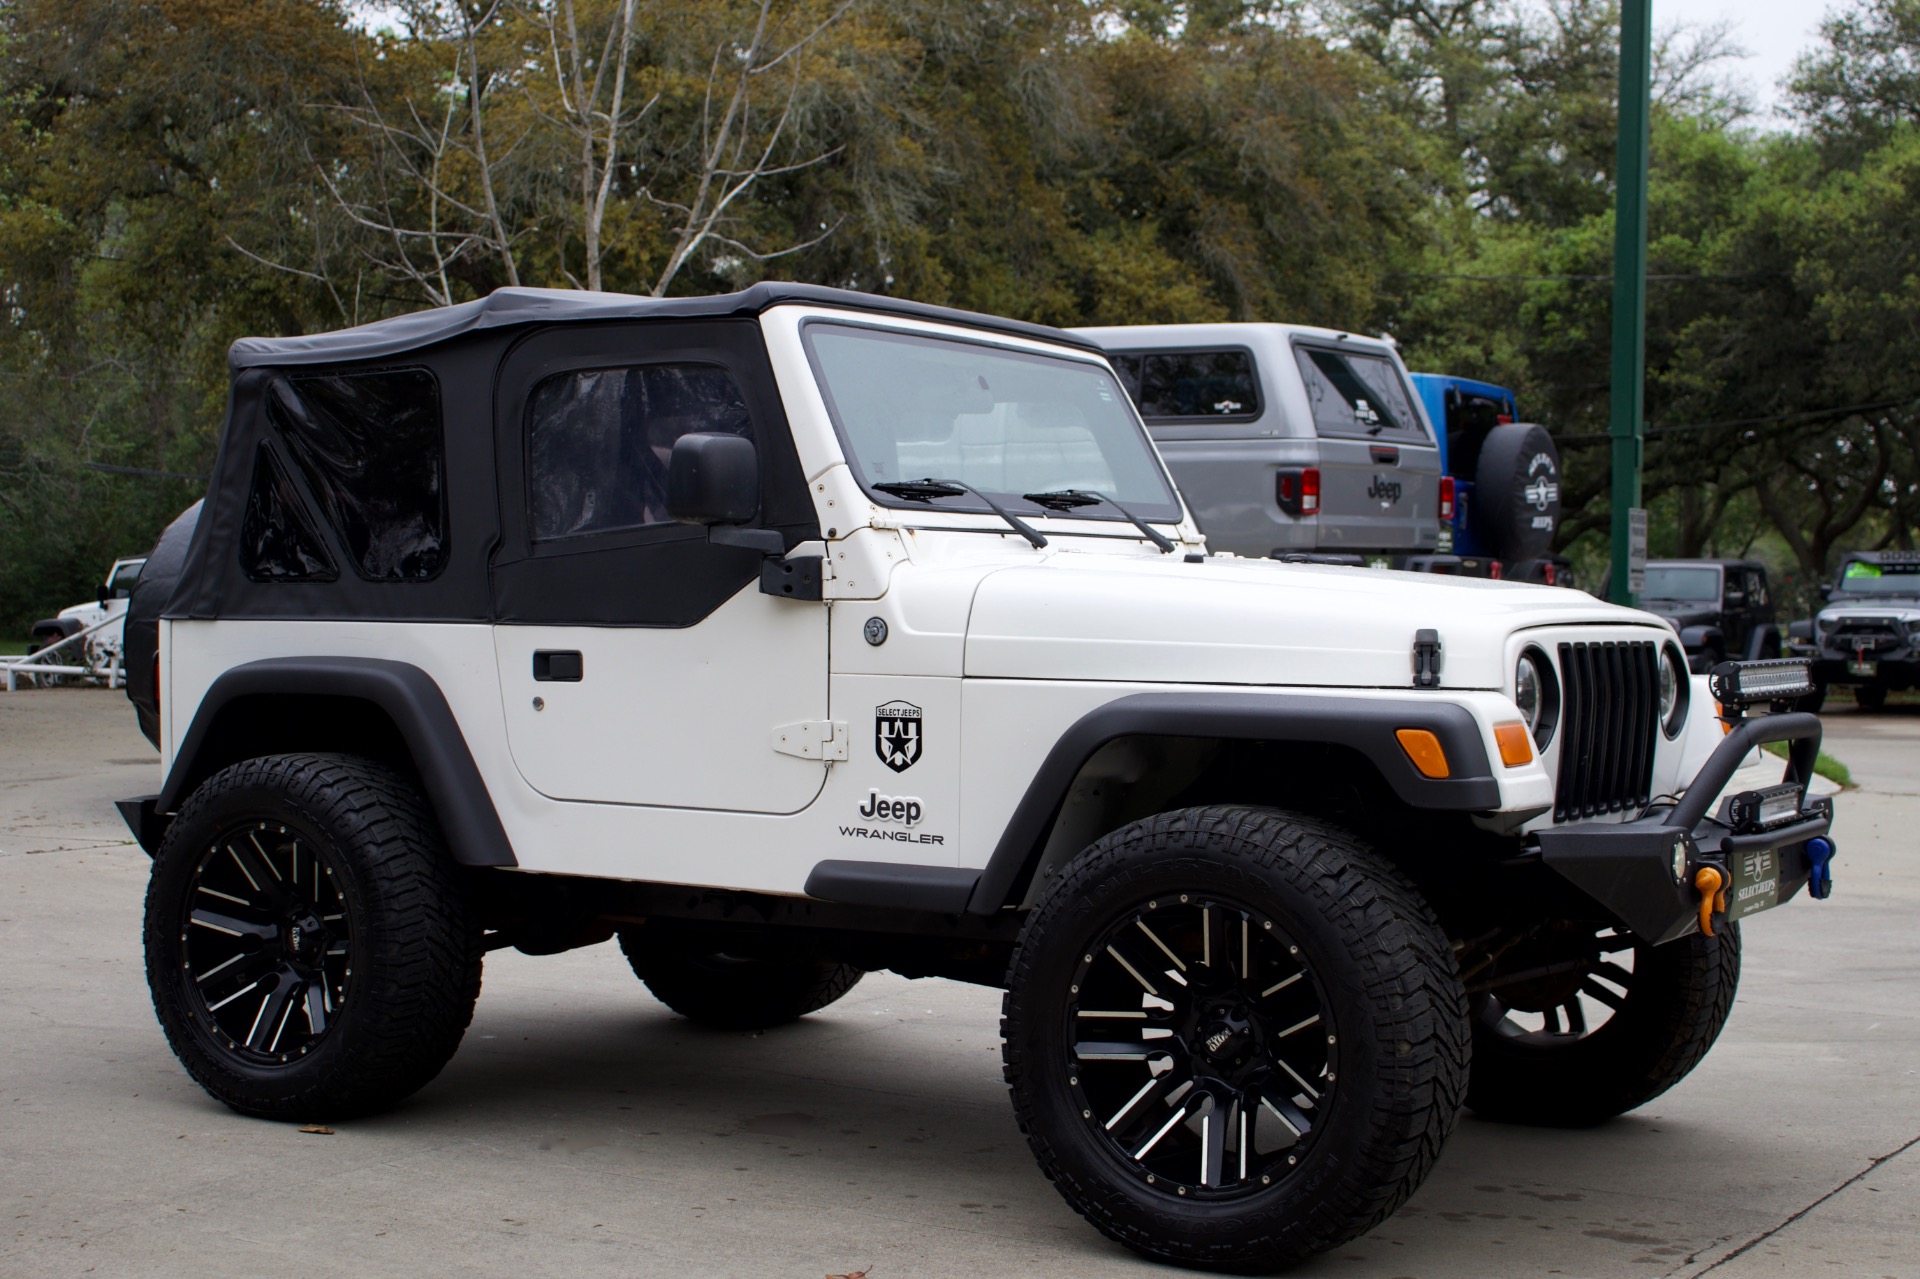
(1202, 1047)
(309, 949)
(1233, 1036)
(267, 942)
(1576, 1022)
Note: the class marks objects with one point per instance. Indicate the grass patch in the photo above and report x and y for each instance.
(1827, 766)
(13, 648)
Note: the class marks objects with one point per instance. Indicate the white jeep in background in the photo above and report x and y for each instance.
(103, 648)
(913, 658)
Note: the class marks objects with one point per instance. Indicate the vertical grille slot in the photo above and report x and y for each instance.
(1610, 695)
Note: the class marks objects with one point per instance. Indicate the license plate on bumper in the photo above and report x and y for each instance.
(1867, 669)
(1756, 882)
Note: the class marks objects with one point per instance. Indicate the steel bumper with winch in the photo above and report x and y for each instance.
(1675, 869)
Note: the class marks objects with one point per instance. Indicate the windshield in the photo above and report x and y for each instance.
(1861, 578)
(1693, 583)
(913, 407)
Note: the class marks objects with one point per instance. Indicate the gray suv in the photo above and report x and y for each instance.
(1287, 440)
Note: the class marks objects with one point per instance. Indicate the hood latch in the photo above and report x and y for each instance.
(1428, 656)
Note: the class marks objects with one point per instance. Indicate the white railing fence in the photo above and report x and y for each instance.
(35, 665)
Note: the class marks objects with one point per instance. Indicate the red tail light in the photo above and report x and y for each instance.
(1446, 499)
(1493, 570)
(1298, 492)
(1550, 572)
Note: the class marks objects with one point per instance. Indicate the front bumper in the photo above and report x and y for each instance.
(1892, 665)
(1629, 868)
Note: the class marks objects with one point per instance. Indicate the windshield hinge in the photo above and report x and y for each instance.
(812, 739)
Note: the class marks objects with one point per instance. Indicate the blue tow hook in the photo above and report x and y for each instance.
(1820, 858)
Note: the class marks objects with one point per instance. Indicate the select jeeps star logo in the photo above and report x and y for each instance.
(896, 735)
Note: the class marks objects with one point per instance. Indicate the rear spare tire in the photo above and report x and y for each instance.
(1516, 491)
(141, 628)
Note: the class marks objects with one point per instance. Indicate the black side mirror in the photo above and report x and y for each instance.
(713, 479)
(100, 593)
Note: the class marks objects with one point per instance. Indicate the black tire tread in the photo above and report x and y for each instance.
(1630, 1061)
(1411, 969)
(754, 996)
(422, 951)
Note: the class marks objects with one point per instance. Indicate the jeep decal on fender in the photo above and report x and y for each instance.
(896, 735)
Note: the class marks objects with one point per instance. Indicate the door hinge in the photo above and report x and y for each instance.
(812, 739)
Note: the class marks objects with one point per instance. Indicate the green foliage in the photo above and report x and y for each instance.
(177, 173)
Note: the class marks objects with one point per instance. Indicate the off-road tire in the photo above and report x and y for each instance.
(729, 991)
(1389, 992)
(415, 952)
(1681, 996)
(1870, 697)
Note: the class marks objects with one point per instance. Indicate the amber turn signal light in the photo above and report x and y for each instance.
(1423, 748)
(1515, 742)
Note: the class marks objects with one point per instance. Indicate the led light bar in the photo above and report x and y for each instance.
(1746, 683)
(1758, 810)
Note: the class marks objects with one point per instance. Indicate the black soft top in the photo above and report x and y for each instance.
(504, 308)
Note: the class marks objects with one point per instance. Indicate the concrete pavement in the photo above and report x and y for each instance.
(585, 1130)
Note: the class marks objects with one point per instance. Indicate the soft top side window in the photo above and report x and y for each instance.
(1174, 386)
(598, 441)
(371, 450)
(1356, 393)
(278, 541)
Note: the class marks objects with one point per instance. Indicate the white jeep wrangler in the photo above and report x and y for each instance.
(799, 633)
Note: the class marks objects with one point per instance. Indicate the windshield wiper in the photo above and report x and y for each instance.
(927, 490)
(1069, 499)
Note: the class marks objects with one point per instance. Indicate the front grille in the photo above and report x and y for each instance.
(1610, 712)
(1867, 634)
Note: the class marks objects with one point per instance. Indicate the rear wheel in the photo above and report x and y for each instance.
(742, 985)
(309, 952)
(1234, 1037)
(1575, 1024)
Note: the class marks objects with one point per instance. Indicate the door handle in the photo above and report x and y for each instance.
(559, 665)
(1384, 455)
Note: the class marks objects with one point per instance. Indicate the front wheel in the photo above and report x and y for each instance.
(308, 949)
(1234, 1037)
(1870, 697)
(1575, 1024)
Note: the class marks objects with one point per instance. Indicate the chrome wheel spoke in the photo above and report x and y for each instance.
(1199, 1047)
(266, 955)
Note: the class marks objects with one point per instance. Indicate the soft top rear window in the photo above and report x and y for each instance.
(1357, 393)
(1180, 386)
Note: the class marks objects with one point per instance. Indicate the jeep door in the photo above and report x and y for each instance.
(639, 663)
(1379, 469)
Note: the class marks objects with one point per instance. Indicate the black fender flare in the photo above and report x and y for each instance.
(1695, 638)
(1366, 725)
(1757, 641)
(57, 627)
(407, 695)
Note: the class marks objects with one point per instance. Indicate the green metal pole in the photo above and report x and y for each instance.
(1628, 405)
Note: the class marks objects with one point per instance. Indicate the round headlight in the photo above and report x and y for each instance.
(1537, 693)
(1674, 690)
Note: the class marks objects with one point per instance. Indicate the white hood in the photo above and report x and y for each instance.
(1224, 621)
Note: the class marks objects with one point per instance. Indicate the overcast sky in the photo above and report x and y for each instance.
(1773, 31)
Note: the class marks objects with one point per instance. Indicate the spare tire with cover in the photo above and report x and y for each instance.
(1516, 491)
(141, 645)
